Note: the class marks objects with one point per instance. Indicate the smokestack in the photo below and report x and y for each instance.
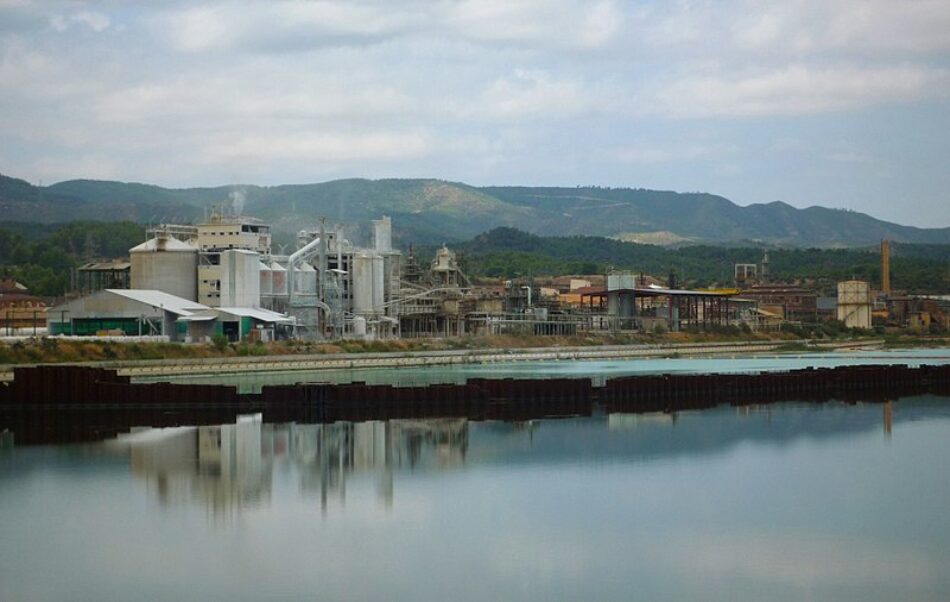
(383, 235)
(339, 247)
(886, 267)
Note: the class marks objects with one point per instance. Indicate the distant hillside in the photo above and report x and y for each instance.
(433, 211)
(510, 253)
(703, 217)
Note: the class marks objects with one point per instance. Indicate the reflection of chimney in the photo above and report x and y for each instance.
(888, 418)
(886, 266)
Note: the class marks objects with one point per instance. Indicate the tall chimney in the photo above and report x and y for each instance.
(886, 266)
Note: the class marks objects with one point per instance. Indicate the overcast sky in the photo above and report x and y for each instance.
(836, 103)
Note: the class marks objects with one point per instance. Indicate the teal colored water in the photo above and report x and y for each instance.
(598, 371)
(783, 502)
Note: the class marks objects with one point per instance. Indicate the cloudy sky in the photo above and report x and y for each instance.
(834, 102)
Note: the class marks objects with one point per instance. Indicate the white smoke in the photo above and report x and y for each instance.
(238, 200)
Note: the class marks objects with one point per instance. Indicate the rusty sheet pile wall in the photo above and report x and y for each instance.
(77, 403)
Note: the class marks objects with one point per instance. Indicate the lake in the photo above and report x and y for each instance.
(788, 501)
(597, 370)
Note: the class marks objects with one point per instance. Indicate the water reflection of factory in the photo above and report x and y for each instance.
(229, 467)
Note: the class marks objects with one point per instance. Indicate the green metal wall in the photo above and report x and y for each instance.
(90, 326)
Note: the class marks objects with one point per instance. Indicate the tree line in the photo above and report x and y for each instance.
(510, 253)
(41, 256)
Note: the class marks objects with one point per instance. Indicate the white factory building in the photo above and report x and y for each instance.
(146, 312)
(223, 271)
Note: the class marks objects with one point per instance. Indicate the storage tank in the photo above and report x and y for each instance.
(359, 326)
(240, 278)
(383, 234)
(305, 279)
(165, 264)
(619, 281)
(362, 292)
(278, 279)
(267, 280)
(379, 280)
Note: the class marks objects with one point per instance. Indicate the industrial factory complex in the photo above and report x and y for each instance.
(222, 278)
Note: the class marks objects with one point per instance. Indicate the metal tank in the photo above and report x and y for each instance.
(278, 279)
(305, 279)
(267, 280)
(383, 234)
(379, 280)
(362, 293)
(165, 264)
(359, 326)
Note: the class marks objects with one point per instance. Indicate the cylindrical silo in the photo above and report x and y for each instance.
(278, 279)
(267, 280)
(383, 235)
(305, 279)
(359, 326)
(362, 292)
(379, 276)
(165, 264)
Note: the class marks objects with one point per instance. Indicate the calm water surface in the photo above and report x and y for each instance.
(598, 371)
(782, 502)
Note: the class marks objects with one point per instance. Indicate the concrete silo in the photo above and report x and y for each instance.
(362, 291)
(165, 264)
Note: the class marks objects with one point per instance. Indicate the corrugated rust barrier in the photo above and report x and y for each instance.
(72, 403)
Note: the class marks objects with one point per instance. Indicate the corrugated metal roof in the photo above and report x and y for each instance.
(106, 265)
(657, 292)
(198, 318)
(160, 300)
(264, 315)
(167, 244)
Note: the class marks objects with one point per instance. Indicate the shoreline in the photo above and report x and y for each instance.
(399, 359)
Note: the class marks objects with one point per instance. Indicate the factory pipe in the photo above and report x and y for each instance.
(304, 251)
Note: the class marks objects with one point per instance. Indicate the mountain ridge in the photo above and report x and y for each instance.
(427, 210)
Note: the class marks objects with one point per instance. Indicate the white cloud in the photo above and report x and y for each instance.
(800, 89)
(97, 22)
(648, 154)
(275, 25)
(484, 89)
(853, 27)
(317, 146)
(527, 94)
(544, 23)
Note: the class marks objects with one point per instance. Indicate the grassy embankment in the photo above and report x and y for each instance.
(65, 350)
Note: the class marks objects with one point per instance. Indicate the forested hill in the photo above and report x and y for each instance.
(437, 211)
(509, 253)
(41, 256)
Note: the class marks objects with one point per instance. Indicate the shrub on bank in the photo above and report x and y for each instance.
(66, 350)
